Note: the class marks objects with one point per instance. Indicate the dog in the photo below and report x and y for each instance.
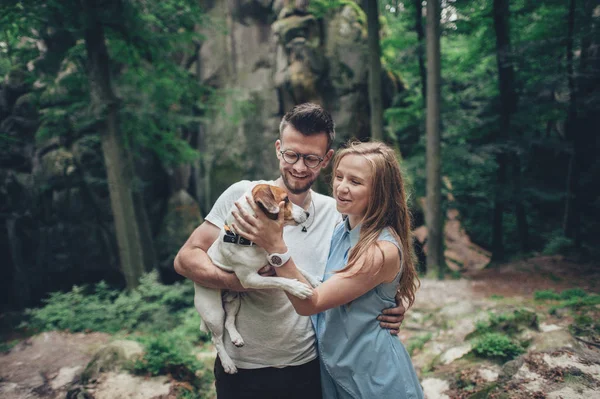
(234, 253)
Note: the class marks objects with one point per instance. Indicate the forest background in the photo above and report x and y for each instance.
(122, 121)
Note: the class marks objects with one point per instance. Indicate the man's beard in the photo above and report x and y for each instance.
(297, 190)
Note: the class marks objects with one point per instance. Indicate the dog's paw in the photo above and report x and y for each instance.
(300, 290)
(315, 283)
(237, 340)
(229, 367)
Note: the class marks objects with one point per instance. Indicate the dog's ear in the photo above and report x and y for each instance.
(265, 199)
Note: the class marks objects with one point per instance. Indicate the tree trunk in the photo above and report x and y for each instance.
(420, 46)
(148, 250)
(433, 214)
(119, 170)
(508, 106)
(375, 100)
(571, 217)
(508, 102)
(521, 213)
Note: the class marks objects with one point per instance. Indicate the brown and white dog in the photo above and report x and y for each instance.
(233, 253)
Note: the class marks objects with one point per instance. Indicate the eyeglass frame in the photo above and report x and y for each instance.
(303, 156)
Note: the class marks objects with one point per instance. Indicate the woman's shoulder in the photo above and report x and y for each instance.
(387, 234)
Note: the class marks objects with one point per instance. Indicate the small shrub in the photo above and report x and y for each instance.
(494, 345)
(165, 354)
(171, 354)
(417, 343)
(573, 293)
(545, 295)
(558, 244)
(507, 323)
(152, 307)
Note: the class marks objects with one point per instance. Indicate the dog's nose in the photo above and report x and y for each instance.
(307, 214)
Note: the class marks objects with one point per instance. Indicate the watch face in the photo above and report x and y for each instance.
(276, 260)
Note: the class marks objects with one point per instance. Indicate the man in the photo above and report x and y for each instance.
(279, 358)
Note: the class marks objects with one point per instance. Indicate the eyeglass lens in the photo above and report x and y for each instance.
(309, 160)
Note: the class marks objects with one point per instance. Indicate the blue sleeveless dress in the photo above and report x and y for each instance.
(359, 359)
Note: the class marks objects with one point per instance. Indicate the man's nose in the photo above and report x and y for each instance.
(300, 165)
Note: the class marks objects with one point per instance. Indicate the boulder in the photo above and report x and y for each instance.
(113, 356)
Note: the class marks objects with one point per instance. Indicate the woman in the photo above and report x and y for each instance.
(370, 258)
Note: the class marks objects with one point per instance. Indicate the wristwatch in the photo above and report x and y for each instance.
(278, 260)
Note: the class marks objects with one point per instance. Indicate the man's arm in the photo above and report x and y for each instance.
(192, 261)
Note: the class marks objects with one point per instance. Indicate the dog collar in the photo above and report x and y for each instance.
(233, 238)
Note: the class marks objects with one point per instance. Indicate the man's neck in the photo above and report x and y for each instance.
(301, 199)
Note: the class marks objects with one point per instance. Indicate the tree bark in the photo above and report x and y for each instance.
(571, 217)
(420, 47)
(508, 103)
(119, 170)
(375, 99)
(508, 106)
(433, 215)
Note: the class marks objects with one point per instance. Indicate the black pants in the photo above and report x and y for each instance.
(293, 382)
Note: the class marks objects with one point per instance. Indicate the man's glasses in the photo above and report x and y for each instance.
(310, 160)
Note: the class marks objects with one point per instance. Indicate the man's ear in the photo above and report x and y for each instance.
(327, 158)
(266, 201)
(278, 147)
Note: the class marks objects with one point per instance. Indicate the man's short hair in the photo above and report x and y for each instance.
(309, 119)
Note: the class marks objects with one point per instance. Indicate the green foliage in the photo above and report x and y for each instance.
(573, 293)
(558, 244)
(506, 323)
(570, 298)
(7, 346)
(497, 346)
(583, 307)
(166, 353)
(417, 343)
(470, 111)
(545, 295)
(152, 307)
(322, 8)
(172, 353)
(147, 43)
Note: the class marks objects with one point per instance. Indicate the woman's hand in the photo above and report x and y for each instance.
(259, 228)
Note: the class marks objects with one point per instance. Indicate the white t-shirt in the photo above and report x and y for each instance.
(274, 334)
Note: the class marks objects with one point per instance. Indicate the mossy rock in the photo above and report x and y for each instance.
(296, 26)
(114, 356)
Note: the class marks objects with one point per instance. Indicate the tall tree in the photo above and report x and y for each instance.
(580, 124)
(375, 96)
(433, 214)
(119, 169)
(505, 78)
(420, 46)
(506, 156)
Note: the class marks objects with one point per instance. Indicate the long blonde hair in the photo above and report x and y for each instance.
(387, 208)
